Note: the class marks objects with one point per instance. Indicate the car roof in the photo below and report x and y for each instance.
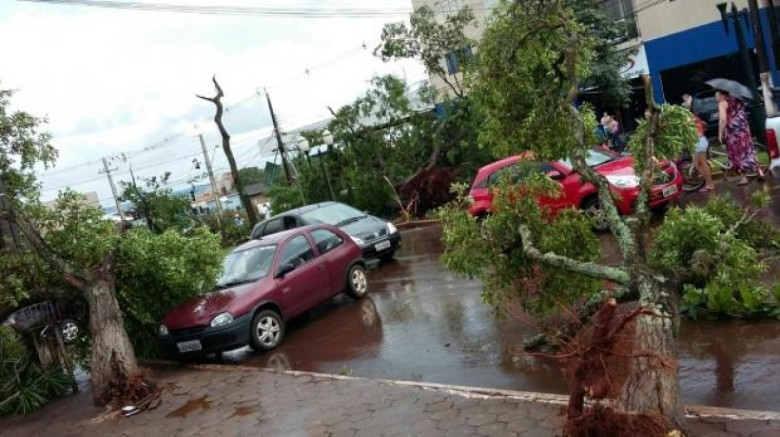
(306, 208)
(278, 237)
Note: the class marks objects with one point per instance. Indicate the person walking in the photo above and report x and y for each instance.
(734, 132)
(700, 152)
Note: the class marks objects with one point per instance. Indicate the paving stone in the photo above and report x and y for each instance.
(258, 403)
(492, 428)
(481, 419)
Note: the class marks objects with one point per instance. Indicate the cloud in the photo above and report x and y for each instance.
(113, 81)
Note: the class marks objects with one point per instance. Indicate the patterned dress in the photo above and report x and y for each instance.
(739, 142)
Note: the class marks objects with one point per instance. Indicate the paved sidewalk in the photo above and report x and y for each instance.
(233, 401)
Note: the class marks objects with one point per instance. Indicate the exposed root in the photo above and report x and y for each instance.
(596, 364)
(602, 421)
(135, 390)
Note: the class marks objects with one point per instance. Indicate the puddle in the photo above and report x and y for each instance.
(191, 406)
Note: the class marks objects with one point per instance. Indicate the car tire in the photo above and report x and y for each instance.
(266, 330)
(69, 329)
(357, 283)
(592, 208)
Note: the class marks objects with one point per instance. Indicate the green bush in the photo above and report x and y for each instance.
(720, 264)
(156, 273)
(24, 385)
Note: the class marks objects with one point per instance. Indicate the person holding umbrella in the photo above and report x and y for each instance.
(734, 129)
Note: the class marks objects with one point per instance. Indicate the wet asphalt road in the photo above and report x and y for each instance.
(421, 322)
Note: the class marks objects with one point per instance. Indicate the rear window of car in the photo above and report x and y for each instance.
(326, 240)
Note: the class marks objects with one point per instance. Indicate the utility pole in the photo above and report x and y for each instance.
(108, 171)
(763, 61)
(213, 181)
(278, 134)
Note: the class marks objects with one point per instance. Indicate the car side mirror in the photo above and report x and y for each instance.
(284, 269)
(555, 175)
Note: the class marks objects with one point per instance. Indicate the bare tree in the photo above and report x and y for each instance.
(251, 212)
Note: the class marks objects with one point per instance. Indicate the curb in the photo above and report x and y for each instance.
(472, 392)
(417, 224)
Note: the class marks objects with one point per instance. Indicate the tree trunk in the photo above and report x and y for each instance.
(652, 385)
(108, 335)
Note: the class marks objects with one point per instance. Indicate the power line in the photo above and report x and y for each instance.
(267, 11)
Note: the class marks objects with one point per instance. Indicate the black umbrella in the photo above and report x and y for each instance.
(732, 87)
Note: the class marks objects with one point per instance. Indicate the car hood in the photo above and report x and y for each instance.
(623, 166)
(367, 228)
(200, 310)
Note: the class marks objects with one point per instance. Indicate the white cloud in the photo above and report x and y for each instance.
(115, 80)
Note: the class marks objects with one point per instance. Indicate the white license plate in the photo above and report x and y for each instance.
(668, 191)
(189, 346)
(382, 245)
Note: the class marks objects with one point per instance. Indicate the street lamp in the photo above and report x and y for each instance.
(327, 138)
(303, 146)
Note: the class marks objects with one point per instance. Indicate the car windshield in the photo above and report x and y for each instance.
(246, 265)
(593, 159)
(336, 214)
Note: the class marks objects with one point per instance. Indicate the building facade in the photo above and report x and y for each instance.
(679, 43)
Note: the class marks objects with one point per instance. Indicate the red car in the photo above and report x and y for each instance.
(264, 284)
(577, 193)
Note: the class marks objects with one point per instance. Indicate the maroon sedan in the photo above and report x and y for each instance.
(265, 283)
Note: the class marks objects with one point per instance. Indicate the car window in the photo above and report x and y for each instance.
(336, 214)
(297, 252)
(273, 226)
(246, 265)
(258, 231)
(593, 159)
(516, 172)
(326, 240)
(290, 222)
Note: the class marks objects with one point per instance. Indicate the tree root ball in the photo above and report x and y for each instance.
(602, 421)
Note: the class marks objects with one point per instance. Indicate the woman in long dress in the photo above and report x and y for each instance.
(734, 132)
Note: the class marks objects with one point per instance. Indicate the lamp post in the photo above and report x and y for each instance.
(757, 110)
(327, 138)
(303, 146)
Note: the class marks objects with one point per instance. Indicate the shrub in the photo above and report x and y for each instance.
(155, 273)
(24, 385)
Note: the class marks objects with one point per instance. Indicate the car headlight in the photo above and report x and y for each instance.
(358, 241)
(391, 228)
(623, 181)
(163, 330)
(221, 319)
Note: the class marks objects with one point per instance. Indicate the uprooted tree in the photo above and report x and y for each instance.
(72, 249)
(526, 80)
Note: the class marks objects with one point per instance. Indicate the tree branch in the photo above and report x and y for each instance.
(70, 274)
(590, 269)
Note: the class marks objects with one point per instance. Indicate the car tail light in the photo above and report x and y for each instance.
(771, 144)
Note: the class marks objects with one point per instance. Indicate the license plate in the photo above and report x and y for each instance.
(668, 191)
(189, 346)
(382, 245)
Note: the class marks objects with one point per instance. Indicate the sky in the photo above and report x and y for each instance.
(121, 84)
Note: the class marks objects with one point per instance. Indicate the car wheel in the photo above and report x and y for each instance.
(69, 329)
(592, 209)
(267, 330)
(357, 284)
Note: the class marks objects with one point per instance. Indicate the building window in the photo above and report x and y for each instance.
(456, 58)
(622, 11)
